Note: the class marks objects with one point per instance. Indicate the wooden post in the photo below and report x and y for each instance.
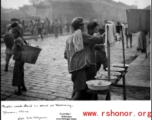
(146, 46)
(108, 97)
(124, 81)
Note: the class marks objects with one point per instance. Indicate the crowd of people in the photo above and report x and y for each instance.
(85, 49)
(44, 27)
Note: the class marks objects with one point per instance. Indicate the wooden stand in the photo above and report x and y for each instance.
(107, 92)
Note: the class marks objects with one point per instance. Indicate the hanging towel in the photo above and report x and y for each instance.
(111, 33)
(138, 20)
(77, 41)
(123, 30)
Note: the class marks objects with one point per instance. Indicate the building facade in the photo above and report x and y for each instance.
(88, 9)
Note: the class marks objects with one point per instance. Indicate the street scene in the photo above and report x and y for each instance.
(56, 75)
(49, 79)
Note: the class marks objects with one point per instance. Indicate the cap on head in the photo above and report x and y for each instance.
(77, 21)
(17, 30)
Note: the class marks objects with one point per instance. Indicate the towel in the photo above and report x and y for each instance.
(111, 33)
(123, 31)
(77, 41)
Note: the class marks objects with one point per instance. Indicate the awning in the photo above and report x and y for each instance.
(138, 20)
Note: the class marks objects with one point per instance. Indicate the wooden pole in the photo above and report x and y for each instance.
(108, 97)
(146, 46)
(124, 81)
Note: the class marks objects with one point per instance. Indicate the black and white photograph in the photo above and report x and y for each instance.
(75, 50)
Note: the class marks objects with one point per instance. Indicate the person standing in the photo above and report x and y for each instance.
(68, 26)
(56, 28)
(40, 28)
(81, 61)
(9, 40)
(31, 27)
(18, 72)
(23, 24)
(8, 27)
(21, 27)
(60, 27)
(100, 54)
(128, 36)
(142, 41)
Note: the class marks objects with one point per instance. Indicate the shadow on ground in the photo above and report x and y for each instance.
(131, 59)
(133, 92)
(136, 93)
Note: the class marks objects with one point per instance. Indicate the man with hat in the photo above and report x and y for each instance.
(8, 27)
(80, 58)
(8, 39)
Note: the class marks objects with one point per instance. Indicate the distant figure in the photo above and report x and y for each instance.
(8, 27)
(52, 27)
(68, 26)
(142, 41)
(128, 36)
(48, 28)
(38, 29)
(118, 31)
(23, 24)
(60, 27)
(56, 28)
(31, 27)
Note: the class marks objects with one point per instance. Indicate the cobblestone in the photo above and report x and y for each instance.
(49, 79)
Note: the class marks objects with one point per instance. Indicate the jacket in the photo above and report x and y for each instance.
(85, 57)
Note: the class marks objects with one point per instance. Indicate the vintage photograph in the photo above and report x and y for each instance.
(83, 50)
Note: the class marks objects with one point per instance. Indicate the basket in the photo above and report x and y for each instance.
(30, 54)
(8, 40)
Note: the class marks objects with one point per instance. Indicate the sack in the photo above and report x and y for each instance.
(8, 40)
(30, 54)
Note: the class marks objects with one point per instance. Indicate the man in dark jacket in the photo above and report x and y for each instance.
(100, 53)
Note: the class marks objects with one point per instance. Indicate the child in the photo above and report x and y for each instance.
(18, 72)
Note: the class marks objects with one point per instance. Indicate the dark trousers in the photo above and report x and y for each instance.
(18, 74)
(79, 79)
(101, 59)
